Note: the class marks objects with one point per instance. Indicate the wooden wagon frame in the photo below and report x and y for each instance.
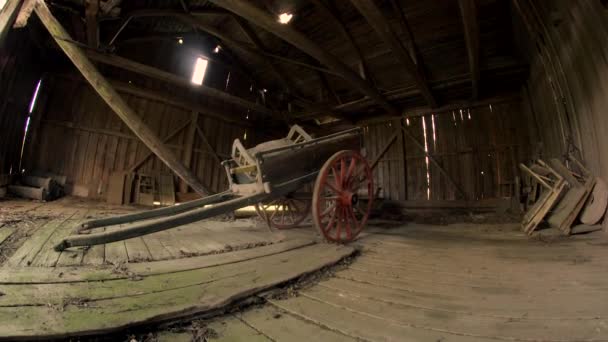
(269, 177)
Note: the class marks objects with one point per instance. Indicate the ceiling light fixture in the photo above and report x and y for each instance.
(180, 41)
(285, 18)
(217, 49)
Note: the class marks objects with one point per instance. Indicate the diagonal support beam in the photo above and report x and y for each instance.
(378, 22)
(8, 15)
(468, 10)
(434, 161)
(166, 140)
(114, 100)
(262, 19)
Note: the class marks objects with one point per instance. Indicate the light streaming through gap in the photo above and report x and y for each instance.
(2, 3)
(200, 68)
(27, 121)
(426, 158)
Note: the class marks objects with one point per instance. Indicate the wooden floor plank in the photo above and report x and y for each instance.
(115, 252)
(158, 251)
(107, 315)
(231, 329)
(137, 250)
(95, 255)
(5, 232)
(282, 326)
(460, 324)
(36, 294)
(48, 256)
(28, 251)
(359, 325)
(523, 305)
(41, 275)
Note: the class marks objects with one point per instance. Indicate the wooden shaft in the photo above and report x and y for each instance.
(114, 100)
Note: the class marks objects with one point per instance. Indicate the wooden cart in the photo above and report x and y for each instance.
(270, 176)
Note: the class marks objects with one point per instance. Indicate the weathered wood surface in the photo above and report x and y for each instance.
(114, 100)
(102, 308)
(460, 282)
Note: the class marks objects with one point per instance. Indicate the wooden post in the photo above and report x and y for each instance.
(188, 147)
(113, 99)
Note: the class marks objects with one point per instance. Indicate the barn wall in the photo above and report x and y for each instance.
(79, 136)
(566, 43)
(479, 148)
(19, 74)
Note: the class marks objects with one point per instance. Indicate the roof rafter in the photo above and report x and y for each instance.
(376, 19)
(330, 12)
(259, 17)
(468, 10)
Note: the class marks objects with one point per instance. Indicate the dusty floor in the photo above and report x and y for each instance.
(410, 282)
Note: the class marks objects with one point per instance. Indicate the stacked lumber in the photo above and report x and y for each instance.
(572, 200)
(39, 186)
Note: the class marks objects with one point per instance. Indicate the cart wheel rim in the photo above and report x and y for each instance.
(338, 212)
(284, 212)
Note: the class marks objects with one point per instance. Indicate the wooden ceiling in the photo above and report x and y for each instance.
(349, 59)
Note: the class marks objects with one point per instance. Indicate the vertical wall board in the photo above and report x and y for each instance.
(491, 141)
(568, 73)
(79, 136)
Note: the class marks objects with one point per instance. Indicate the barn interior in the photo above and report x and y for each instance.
(286, 170)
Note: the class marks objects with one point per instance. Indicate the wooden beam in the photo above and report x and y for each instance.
(264, 20)
(434, 161)
(113, 99)
(201, 135)
(329, 12)
(91, 11)
(149, 71)
(468, 11)
(166, 140)
(253, 37)
(8, 15)
(378, 22)
(410, 43)
(188, 147)
(383, 151)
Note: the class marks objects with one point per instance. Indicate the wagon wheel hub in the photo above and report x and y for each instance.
(348, 198)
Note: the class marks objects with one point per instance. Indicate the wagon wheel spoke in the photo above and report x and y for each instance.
(329, 209)
(343, 173)
(338, 181)
(329, 225)
(351, 168)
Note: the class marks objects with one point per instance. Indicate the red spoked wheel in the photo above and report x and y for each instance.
(337, 209)
(284, 212)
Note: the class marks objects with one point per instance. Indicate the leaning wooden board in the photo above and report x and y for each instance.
(69, 309)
